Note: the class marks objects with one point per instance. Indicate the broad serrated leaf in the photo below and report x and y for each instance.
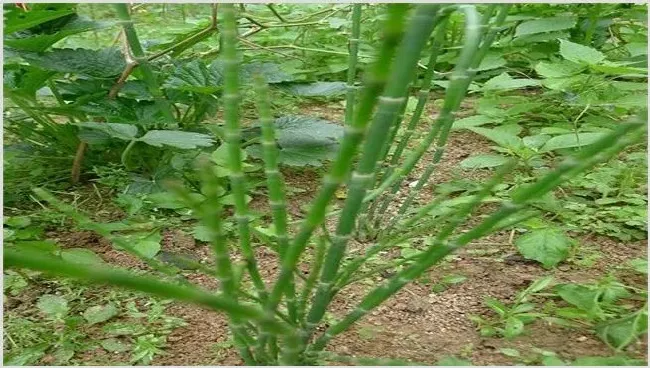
(125, 132)
(318, 89)
(103, 63)
(24, 80)
(82, 256)
(545, 25)
(579, 53)
(100, 313)
(196, 77)
(571, 141)
(504, 82)
(501, 138)
(54, 306)
(548, 246)
(176, 138)
(483, 161)
(304, 140)
(27, 356)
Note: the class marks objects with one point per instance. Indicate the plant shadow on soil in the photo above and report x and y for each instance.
(417, 324)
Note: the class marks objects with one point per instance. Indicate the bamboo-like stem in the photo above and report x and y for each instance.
(232, 138)
(420, 28)
(484, 48)
(275, 185)
(423, 96)
(210, 213)
(353, 44)
(341, 166)
(600, 151)
(459, 83)
(316, 266)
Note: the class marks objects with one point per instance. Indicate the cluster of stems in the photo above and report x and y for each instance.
(276, 321)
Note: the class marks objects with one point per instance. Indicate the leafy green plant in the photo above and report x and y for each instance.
(285, 320)
(511, 319)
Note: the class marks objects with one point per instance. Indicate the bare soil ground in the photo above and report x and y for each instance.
(417, 324)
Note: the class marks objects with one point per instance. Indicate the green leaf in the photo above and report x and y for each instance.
(539, 285)
(318, 89)
(581, 296)
(548, 246)
(580, 54)
(27, 356)
(545, 25)
(621, 332)
(39, 42)
(103, 63)
(504, 82)
(125, 132)
(54, 306)
(122, 328)
(503, 139)
(571, 140)
(176, 138)
(24, 80)
(491, 61)
(114, 345)
(17, 221)
(100, 313)
(559, 69)
(304, 140)
(619, 69)
(496, 306)
(483, 161)
(195, 77)
(16, 19)
(514, 327)
(472, 121)
(639, 265)
(82, 256)
(536, 141)
(148, 248)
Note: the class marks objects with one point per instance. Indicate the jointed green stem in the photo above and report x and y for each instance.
(232, 137)
(348, 147)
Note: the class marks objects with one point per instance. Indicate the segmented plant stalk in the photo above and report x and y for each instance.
(353, 42)
(277, 200)
(232, 138)
(420, 28)
(149, 77)
(352, 137)
(310, 283)
(459, 82)
(210, 213)
(484, 48)
(598, 152)
(423, 96)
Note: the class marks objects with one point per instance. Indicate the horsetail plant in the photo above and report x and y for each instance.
(276, 321)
